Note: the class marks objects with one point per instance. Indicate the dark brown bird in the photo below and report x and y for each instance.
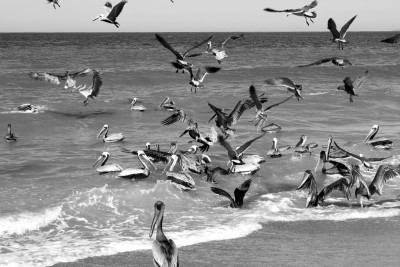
(239, 194)
(351, 85)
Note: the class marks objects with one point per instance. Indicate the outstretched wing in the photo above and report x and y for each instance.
(273, 10)
(341, 185)
(310, 6)
(179, 115)
(47, 77)
(319, 62)
(281, 81)
(383, 174)
(392, 40)
(197, 45)
(246, 145)
(240, 107)
(117, 9)
(233, 37)
(308, 182)
(228, 147)
(277, 104)
(222, 192)
(359, 80)
(168, 46)
(241, 191)
(96, 84)
(254, 97)
(333, 29)
(346, 26)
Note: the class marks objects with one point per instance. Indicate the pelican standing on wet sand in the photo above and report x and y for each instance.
(10, 136)
(165, 252)
(135, 106)
(111, 14)
(337, 36)
(138, 173)
(115, 137)
(220, 53)
(103, 169)
(351, 85)
(380, 142)
(302, 12)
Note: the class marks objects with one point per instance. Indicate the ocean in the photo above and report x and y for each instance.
(55, 208)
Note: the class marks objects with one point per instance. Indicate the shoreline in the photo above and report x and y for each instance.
(300, 243)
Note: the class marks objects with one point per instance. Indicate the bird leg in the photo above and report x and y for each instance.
(307, 21)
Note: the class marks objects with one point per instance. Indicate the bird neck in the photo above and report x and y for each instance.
(143, 163)
(160, 237)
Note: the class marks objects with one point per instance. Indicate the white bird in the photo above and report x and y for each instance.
(220, 53)
(111, 14)
(289, 84)
(135, 106)
(138, 173)
(196, 82)
(302, 12)
(106, 168)
(165, 252)
(55, 2)
(337, 36)
(115, 137)
(182, 179)
(93, 90)
(380, 142)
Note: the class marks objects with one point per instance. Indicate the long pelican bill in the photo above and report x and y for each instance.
(96, 18)
(101, 132)
(149, 160)
(99, 159)
(158, 208)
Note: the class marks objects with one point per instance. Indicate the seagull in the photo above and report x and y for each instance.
(392, 40)
(134, 105)
(338, 61)
(314, 198)
(220, 53)
(197, 81)
(10, 136)
(115, 137)
(239, 193)
(261, 113)
(351, 85)
(302, 12)
(111, 14)
(55, 2)
(165, 252)
(380, 142)
(106, 168)
(289, 84)
(93, 90)
(338, 37)
(180, 58)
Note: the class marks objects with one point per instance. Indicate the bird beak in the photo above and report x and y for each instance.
(168, 164)
(151, 163)
(96, 18)
(101, 132)
(162, 103)
(370, 134)
(100, 158)
(154, 221)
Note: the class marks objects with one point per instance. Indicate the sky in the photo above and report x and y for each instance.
(196, 16)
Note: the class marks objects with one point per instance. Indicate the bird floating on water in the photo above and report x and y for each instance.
(337, 36)
(380, 142)
(338, 61)
(103, 169)
(167, 104)
(165, 252)
(28, 108)
(220, 53)
(350, 85)
(392, 40)
(275, 151)
(111, 13)
(115, 137)
(180, 58)
(302, 12)
(135, 106)
(10, 136)
(55, 2)
(288, 84)
(138, 173)
(239, 193)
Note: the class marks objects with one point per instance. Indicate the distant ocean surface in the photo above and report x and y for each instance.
(55, 208)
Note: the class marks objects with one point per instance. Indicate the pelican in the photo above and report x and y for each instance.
(271, 128)
(392, 40)
(211, 173)
(136, 173)
(314, 198)
(165, 252)
(357, 180)
(301, 146)
(179, 115)
(189, 160)
(338, 61)
(93, 90)
(167, 104)
(115, 137)
(55, 78)
(335, 166)
(196, 82)
(301, 12)
(220, 53)
(154, 155)
(289, 84)
(10, 136)
(55, 2)
(206, 140)
(275, 151)
(180, 179)
(261, 113)
(111, 14)
(337, 36)
(134, 105)
(351, 85)
(106, 168)
(380, 142)
(180, 58)
(239, 194)
(28, 108)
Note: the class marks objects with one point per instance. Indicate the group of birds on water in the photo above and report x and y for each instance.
(194, 160)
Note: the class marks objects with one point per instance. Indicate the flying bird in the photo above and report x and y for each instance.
(380, 142)
(206, 140)
(220, 53)
(239, 193)
(196, 82)
(302, 12)
(337, 36)
(68, 77)
(350, 85)
(288, 84)
(93, 90)
(392, 40)
(182, 64)
(111, 13)
(338, 61)
(10, 136)
(55, 2)
(165, 252)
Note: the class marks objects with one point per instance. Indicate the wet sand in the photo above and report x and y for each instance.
(305, 243)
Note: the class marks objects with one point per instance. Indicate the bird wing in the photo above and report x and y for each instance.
(231, 153)
(246, 145)
(96, 84)
(273, 10)
(358, 180)
(359, 80)
(241, 191)
(319, 62)
(46, 77)
(168, 46)
(222, 192)
(341, 184)
(240, 107)
(277, 104)
(349, 153)
(308, 182)
(207, 70)
(310, 6)
(392, 40)
(383, 174)
(254, 97)
(82, 73)
(333, 29)
(197, 45)
(179, 115)
(125, 150)
(233, 37)
(281, 81)
(117, 9)
(346, 26)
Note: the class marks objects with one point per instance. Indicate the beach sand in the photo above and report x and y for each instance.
(302, 243)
